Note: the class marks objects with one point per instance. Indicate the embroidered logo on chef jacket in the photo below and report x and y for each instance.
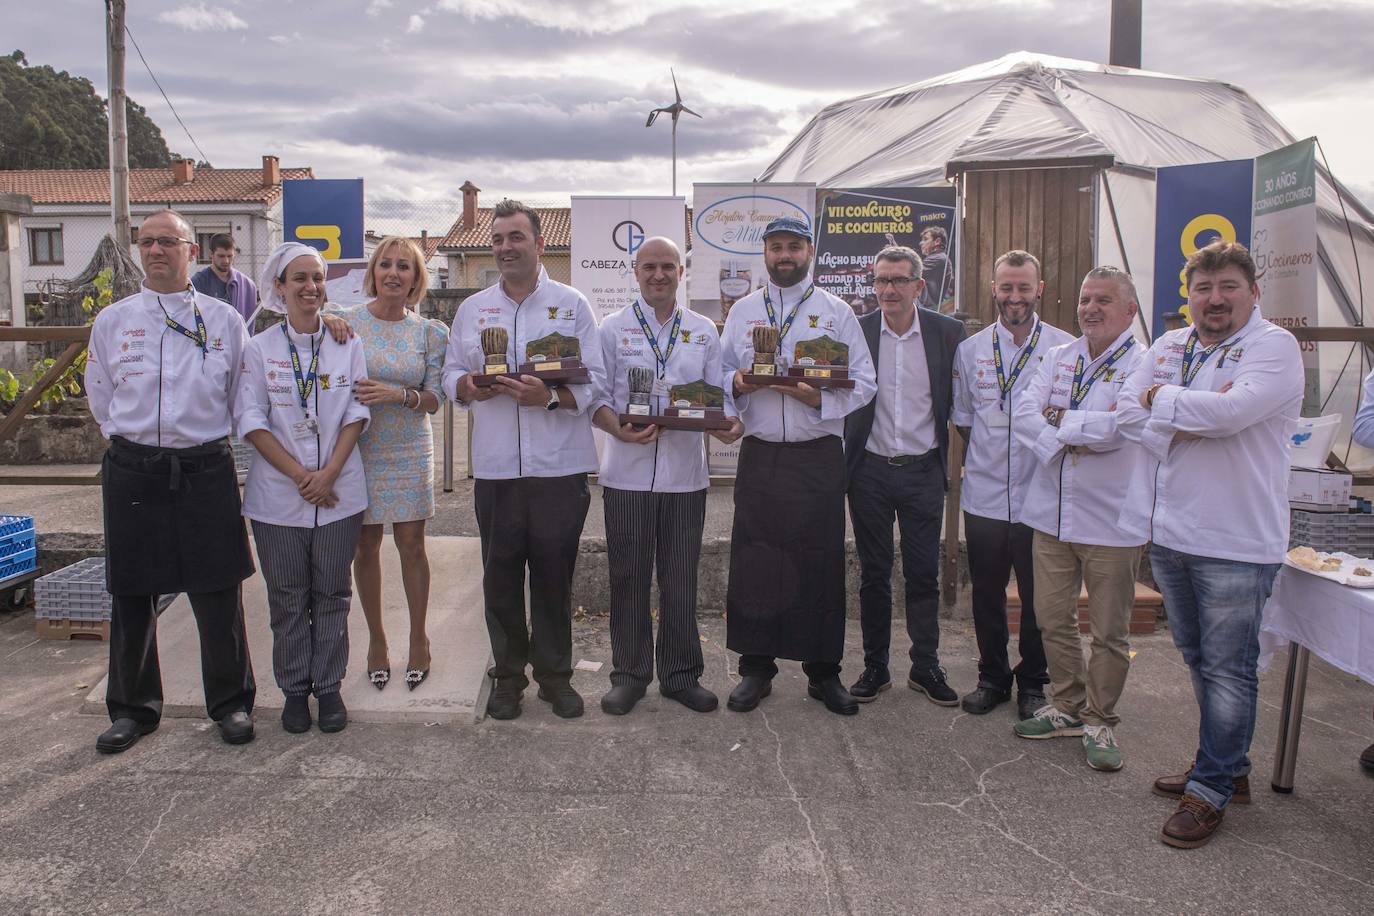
(324, 381)
(686, 337)
(565, 315)
(700, 340)
(812, 320)
(1233, 355)
(217, 343)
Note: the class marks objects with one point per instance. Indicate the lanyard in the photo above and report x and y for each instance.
(1081, 388)
(1005, 384)
(773, 318)
(660, 356)
(1191, 369)
(198, 336)
(303, 383)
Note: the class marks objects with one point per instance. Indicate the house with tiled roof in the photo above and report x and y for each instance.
(435, 262)
(71, 211)
(467, 245)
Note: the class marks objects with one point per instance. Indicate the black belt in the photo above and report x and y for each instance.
(901, 461)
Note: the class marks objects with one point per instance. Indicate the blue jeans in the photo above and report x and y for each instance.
(1214, 609)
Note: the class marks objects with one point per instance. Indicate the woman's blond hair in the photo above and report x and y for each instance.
(411, 249)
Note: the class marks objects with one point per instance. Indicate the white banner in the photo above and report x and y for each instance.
(606, 233)
(727, 238)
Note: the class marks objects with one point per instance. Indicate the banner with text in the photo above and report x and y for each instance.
(325, 213)
(727, 238)
(852, 226)
(606, 234)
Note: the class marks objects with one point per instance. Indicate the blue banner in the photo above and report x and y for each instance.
(1195, 204)
(326, 214)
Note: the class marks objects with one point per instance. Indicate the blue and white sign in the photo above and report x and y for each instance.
(607, 233)
(325, 213)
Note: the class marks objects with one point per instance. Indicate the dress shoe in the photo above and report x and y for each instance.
(122, 735)
(1175, 786)
(931, 682)
(984, 700)
(333, 713)
(379, 677)
(295, 715)
(621, 698)
(749, 693)
(504, 702)
(696, 697)
(1029, 702)
(1192, 825)
(236, 728)
(832, 693)
(415, 677)
(871, 683)
(566, 702)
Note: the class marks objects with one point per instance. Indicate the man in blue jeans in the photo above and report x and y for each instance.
(1213, 406)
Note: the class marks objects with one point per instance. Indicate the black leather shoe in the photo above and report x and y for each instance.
(984, 700)
(295, 715)
(566, 702)
(931, 682)
(504, 702)
(1028, 701)
(621, 698)
(122, 735)
(750, 692)
(831, 692)
(871, 683)
(236, 728)
(696, 698)
(333, 713)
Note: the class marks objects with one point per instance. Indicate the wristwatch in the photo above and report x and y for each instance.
(553, 398)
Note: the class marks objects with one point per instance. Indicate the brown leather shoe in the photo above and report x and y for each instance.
(1173, 786)
(1192, 825)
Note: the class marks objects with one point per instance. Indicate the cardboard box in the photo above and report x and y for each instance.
(1318, 487)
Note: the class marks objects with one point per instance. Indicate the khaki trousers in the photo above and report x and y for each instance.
(1061, 569)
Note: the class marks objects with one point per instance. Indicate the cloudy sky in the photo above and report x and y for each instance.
(544, 99)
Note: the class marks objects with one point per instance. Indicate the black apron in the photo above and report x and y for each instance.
(786, 596)
(173, 519)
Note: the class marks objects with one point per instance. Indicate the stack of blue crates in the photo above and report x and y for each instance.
(18, 546)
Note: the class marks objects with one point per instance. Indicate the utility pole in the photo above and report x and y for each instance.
(119, 124)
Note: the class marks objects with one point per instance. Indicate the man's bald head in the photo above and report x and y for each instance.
(658, 247)
(658, 270)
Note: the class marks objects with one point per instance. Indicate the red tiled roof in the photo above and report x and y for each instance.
(429, 244)
(555, 222)
(150, 186)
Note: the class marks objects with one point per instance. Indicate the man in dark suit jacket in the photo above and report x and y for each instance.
(896, 451)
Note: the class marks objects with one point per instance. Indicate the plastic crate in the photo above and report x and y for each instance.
(12, 524)
(77, 593)
(1347, 532)
(18, 563)
(18, 541)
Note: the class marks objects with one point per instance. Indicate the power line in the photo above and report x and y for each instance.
(204, 158)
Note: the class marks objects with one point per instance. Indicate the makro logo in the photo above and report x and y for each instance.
(628, 235)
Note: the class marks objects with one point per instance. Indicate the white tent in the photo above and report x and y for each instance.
(1030, 109)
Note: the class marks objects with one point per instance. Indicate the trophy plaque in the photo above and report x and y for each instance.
(697, 406)
(555, 360)
(821, 362)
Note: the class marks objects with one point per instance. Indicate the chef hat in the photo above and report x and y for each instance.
(276, 265)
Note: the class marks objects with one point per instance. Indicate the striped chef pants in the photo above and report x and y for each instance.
(643, 527)
(309, 579)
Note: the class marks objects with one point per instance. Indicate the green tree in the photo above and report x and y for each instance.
(50, 119)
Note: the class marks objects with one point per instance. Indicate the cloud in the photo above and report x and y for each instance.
(201, 18)
(415, 25)
(375, 7)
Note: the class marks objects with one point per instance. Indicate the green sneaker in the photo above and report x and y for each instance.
(1103, 751)
(1048, 722)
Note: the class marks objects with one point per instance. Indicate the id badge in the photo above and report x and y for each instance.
(660, 389)
(998, 418)
(305, 429)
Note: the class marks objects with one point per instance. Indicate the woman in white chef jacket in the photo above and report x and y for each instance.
(306, 492)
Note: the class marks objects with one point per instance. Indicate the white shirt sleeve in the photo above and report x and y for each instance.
(236, 342)
(99, 382)
(837, 403)
(962, 414)
(1269, 378)
(606, 340)
(252, 405)
(588, 332)
(358, 369)
(1133, 420)
(455, 362)
(1029, 425)
(1363, 430)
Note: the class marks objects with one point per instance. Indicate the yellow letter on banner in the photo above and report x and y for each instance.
(329, 235)
(1187, 242)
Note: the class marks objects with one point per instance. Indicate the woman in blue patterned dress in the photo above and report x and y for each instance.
(405, 354)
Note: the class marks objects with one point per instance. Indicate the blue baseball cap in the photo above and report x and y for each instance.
(788, 224)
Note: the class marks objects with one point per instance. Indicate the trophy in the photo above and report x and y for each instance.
(641, 385)
(764, 370)
(821, 362)
(494, 342)
(696, 406)
(555, 359)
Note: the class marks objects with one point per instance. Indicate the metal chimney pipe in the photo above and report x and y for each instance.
(1125, 47)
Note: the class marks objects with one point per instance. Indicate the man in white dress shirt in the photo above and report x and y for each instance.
(532, 449)
(992, 371)
(654, 486)
(1068, 419)
(1213, 406)
(162, 374)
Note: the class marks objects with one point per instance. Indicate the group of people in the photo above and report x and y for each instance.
(1079, 451)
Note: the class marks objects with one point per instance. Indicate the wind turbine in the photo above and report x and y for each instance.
(676, 109)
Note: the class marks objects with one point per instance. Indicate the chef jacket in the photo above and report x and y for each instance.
(150, 383)
(676, 461)
(1076, 497)
(1225, 493)
(509, 440)
(997, 467)
(776, 417)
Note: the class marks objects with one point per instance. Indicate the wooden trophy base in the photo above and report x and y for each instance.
(550, 372)
(833, 378)
(696, 420)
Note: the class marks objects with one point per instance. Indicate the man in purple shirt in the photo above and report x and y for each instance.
(222, 281)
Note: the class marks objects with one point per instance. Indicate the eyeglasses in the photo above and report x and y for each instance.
(896, 282)
(162, 241)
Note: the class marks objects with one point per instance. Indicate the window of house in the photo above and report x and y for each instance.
(203, 237)
(45, 246)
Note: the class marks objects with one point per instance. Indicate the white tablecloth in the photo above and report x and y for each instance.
(1335, 621)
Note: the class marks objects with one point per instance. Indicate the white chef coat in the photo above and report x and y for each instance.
(153, 385)
(676, 461)
(903, 412)
(1223, 495)
(775, 417)
(1077, 497)
(509, 440)
(997, 467)
(269, 398)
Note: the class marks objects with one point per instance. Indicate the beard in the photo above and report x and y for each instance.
(1030, 309)
(789, 276)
